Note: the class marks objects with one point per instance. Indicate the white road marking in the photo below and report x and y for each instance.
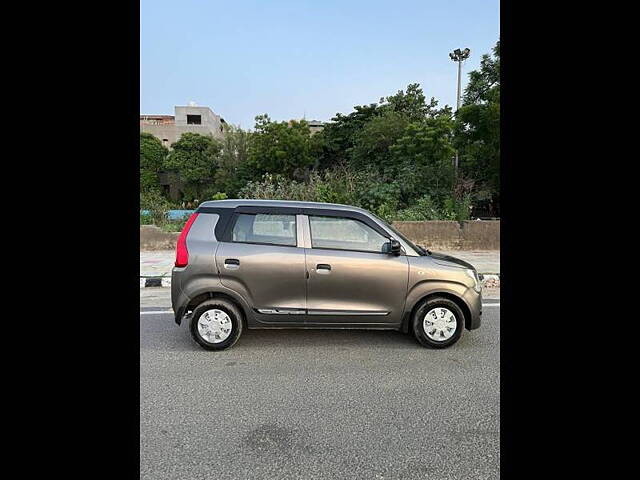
(490, 304)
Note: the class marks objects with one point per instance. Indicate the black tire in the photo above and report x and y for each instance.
(427, 306)
(234, 315)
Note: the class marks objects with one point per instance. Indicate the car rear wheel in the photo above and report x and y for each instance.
(438, 323)
(216, 324)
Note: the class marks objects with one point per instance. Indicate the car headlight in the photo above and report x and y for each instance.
(477, 286)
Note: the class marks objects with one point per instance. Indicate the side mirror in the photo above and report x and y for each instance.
(392, 247)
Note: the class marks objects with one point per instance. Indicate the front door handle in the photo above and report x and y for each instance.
(231, 263)
(323, 268)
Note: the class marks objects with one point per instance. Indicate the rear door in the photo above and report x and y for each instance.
(260, 259)
(351, 280)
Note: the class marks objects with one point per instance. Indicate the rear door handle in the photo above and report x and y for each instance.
(231, 263)
(323, 268)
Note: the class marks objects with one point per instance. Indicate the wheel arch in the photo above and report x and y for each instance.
(212, 294)
(459, 301)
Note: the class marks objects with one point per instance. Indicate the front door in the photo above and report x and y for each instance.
(263, 262)
(351, 281)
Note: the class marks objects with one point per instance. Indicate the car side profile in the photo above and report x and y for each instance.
(283, 264)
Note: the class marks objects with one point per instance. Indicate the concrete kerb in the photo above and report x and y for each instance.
(155, 282)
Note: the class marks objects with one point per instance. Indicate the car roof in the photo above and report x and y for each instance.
(279, 203)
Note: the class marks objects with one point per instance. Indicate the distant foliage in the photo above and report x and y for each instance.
(394, 157)
(280, 148)
(152, 156)
(477, 130)
(233, 170)
(156, 204)
(194, 158)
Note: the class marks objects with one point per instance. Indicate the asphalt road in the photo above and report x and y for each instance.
(307, 404)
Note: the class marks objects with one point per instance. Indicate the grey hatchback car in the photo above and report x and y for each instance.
(281, 264)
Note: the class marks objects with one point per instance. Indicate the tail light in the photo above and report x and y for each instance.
(182, 253)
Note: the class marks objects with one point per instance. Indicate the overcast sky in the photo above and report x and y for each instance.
(300, 58)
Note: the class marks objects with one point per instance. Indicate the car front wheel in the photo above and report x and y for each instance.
(438, 323)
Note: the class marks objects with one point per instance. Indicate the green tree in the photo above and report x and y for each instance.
(484, 84)
(233, 169)
(411, 105)
(152, 156)
(339, 135)
(194, 158)
(477, 129)
(364, 136)
(281, 148)
(373, 141)
(421, 160)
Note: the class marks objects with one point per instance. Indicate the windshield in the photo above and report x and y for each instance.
(418, 249)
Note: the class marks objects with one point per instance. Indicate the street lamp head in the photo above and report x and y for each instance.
(459, 55)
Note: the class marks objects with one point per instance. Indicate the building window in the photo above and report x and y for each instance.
(194, 120)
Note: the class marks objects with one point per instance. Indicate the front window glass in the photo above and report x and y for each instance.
(265, 228)
(344, 234)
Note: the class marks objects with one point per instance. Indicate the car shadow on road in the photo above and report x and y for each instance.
(292, 338)
(171, 337)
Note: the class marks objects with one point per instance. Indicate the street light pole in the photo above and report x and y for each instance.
(459, 83)
(459, 56)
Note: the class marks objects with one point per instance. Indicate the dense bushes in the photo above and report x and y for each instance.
(155, 204)
(362, 189)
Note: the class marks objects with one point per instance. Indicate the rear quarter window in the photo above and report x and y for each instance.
(203, 228)
(265, 229)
